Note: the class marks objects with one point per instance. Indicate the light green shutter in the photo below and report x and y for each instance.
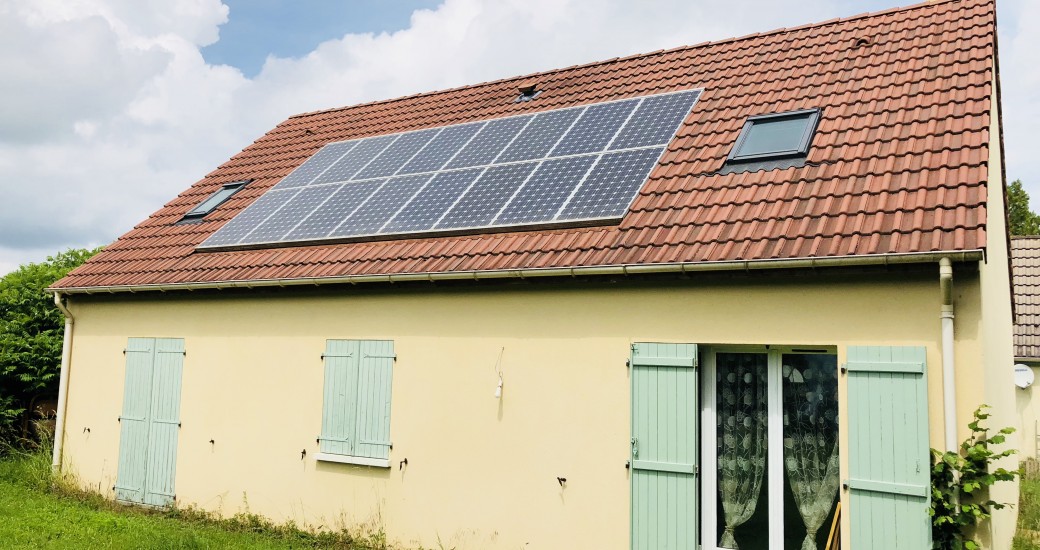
(376, 363)
(888, 448)
(664, 446)
(168, 362)
(133, 422)
(339, 409)
(150, 421)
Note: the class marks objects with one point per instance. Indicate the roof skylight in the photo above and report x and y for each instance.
(774, 136)
(214, 200)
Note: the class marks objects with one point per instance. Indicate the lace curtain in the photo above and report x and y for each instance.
(742, 398)
(810, 438)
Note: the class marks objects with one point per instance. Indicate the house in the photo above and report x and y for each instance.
(1025, 259)
(692, 297)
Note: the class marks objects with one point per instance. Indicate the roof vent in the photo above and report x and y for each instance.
(528, 91)
(861, 42)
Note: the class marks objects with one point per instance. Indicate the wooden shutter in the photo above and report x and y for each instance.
(888, 448)
(375, 372)
(664, 446)
(133, 422)
(339, 409)
(164, 420)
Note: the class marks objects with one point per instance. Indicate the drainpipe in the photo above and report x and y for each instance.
(63, 384)
(949, 387)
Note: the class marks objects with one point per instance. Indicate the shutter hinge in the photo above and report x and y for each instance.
(697, 470)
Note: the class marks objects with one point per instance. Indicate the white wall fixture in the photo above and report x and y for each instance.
(1023, 376)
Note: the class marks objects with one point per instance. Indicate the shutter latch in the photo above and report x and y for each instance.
(635, 447)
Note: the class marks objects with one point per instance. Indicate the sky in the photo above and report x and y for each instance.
(110, 108)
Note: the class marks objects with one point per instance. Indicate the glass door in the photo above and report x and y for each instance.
(770, 448)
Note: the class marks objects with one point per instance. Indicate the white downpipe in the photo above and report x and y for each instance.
(949, 385)
(63, 383)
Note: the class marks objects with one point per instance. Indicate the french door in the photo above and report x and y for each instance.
(769, 446)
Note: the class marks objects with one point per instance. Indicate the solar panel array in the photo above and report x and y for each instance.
(571, 165)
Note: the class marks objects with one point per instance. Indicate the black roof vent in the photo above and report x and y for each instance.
(528, 91)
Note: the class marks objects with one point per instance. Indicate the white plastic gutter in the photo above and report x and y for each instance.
(582, 271)
(63, 383)
(949, 386)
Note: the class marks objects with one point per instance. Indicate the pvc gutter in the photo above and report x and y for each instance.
(63, 383)
(949, 380)
(580, 271)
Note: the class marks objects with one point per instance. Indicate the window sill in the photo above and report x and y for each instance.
(359, 460)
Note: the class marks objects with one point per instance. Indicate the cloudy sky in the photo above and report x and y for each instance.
(109, 108)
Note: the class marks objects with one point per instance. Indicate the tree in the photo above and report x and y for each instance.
(1021, 220)
(31, 332)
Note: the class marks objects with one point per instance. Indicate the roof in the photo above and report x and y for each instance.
(898, 164)
(1025, 279)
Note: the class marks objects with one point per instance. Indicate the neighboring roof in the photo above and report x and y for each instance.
(1025, 279)
(898, 165)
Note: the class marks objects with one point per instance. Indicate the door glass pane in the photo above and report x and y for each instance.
(810, 401)
(742, 397)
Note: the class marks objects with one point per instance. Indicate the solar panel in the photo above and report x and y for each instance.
(574, 165)
(315, 165)
(479, 206)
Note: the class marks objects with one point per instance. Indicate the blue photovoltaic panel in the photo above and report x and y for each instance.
(442, 148)
(341, 204)
(487, 196)
(355, 159)
(315, 165)
(579, 164)
(611, 186)
(274, 228)
(596, 127)
(396, 155)
(252, 216)
(655, 120)
(489, 142)
(546, 190)
(382, 206)
(432, 201)
(540, 135)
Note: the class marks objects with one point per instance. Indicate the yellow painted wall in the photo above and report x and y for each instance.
(1027, 403)
(481, 472)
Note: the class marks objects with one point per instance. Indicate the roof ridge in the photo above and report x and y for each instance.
(829, 22)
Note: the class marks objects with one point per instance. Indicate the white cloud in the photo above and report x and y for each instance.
(108, 110)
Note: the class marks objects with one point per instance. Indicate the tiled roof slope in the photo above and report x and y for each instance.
(1025, 278)
(899, 164)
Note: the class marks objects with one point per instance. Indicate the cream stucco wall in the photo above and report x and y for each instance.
(1027, 401)
(481, 472)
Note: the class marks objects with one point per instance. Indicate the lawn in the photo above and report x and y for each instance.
(34, 514)
(1029, 511)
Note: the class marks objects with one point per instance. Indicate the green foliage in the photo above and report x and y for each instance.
(31, 330)
(1028, 535)
(1021, 220)
(960, 486)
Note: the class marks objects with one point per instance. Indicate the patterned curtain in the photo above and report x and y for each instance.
(811, 438)
(742, 398)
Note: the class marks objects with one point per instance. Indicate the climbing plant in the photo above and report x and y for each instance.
(961, 482)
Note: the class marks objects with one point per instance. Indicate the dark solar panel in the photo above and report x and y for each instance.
(340, 205)
(596, 127)
(489, 142)
(540, 135)
(304, 173)
(611, 186)
(397, 155)
(567, 165)
(432, 201)
(655, 120)
(385, 202)
(479, 206)
(355, 159)
(545, 191)
(443, 147)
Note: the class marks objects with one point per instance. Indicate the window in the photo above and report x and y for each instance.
(355, 420)
(775, 136)
(770, 440)
(214, 200)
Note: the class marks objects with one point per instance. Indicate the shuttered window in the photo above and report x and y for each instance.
(355, 423)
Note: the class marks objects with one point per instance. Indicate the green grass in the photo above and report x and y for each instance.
(1028, 511)
(37, 511)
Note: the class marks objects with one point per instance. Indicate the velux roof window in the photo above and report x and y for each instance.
(775, 136)
(213, 201)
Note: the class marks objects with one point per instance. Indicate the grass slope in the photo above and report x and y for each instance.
(35, 513)
(1028, 537)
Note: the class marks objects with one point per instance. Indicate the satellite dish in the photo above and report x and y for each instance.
(1023, 376)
